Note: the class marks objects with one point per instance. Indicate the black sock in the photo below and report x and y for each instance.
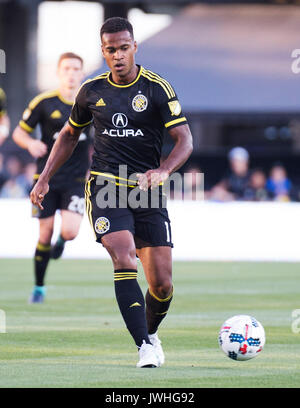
(131, 304)
(156, 310)
(41, 259)
(60, 240)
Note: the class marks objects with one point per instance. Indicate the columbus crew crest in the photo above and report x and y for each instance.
(102, 225)
(140, 103)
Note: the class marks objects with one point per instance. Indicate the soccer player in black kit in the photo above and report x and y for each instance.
(51, 111)
(130, 106)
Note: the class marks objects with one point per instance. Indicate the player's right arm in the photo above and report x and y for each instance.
(22, 133)
(60, 153)
(23, 139)
(63, 147)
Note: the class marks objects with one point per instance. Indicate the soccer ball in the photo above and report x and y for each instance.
(242, 337)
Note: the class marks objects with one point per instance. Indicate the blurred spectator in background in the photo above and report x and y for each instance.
(233, 186)
(256, 189)
(13, 166)
(278, 184)
(26, 178)
(11, 189)
(188, 186)
(193, 188)
(4, 119)
(18, 180)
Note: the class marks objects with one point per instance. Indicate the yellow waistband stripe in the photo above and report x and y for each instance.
(108, 175)
(115, 178)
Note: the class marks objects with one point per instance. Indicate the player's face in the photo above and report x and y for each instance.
(70, 73)
(119, 50)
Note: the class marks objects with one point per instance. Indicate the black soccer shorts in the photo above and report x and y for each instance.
(149, 226)
(62, 197)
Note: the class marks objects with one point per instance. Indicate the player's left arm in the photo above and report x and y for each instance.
(60, 153)
(176, 124)
(63, 147)
(182, 150)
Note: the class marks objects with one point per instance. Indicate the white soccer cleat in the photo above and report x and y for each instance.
(157, 348)
(148, 358)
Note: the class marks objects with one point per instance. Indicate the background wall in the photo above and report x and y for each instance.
(201, 231)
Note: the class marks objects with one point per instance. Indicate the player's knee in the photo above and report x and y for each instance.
(163, 288)
(69, 235)
(45, 236)
(124, 259)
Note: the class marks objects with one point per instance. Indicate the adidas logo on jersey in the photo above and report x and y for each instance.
(101, 102)
(56, 114)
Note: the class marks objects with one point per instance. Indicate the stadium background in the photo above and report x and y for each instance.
(231, 65)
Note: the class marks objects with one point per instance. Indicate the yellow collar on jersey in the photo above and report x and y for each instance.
(126, 85)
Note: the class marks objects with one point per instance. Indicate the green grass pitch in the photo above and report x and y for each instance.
(77, 337)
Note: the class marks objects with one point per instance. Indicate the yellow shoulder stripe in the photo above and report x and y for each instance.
(156, 78)
(154, 75)
(35, 101)
(102, 76)
(158, 82)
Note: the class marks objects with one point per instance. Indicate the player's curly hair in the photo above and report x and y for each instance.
(115, 25)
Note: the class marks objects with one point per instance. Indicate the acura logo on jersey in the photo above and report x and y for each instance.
(119, 120)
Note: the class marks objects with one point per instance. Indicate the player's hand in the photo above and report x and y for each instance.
(38, 193)
(37, 148)
(152, 178)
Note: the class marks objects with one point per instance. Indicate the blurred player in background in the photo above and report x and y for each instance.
(130, 107)
(4, 119)
(51, 111)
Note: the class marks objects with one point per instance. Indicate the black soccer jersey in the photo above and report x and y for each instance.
(51, 112)
(2, 102)
(129, 120)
